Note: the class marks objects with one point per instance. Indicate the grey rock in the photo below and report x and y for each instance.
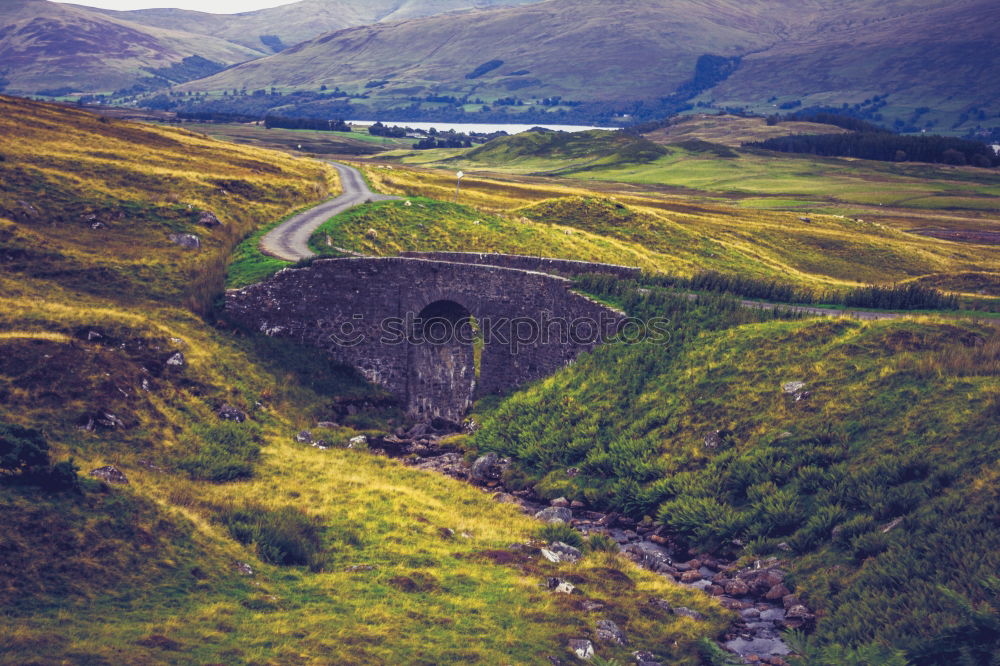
(661, 604)
(589, 605)
(644, 658)
(555, 514)
(551, 556)
(566, 552)
(111, 474)
(581, 648)
(687, 612)
(229, 413)
(792, 387)
(561, 586)
(762, 647)
(609, 632)
(559, 501)
(359, 442)
(186, 241)
(208, 219)
(304, 437)
(487, 468)
(244, 569)
(177, 360)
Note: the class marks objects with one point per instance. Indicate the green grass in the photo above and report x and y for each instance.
(349, 553)
(248, 264)
(900, 423)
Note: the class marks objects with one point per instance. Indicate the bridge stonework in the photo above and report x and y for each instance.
(374, 314)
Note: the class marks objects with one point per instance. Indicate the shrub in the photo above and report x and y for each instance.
(601, 543)
(560, 532)
(222, 452)
(22, 450)
(285, 537)
(60, 477)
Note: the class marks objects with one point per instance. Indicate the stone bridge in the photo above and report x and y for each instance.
(435, 329)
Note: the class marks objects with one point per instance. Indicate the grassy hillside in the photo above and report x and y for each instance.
(903, 60)
(732, 131)
(98, 217)
(53, 49)
(298, 21)
(232, 542)
(640, 226)
(876, 475)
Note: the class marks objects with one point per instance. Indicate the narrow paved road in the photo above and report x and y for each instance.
(290, 239)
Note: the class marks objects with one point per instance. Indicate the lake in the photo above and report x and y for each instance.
(482, 128)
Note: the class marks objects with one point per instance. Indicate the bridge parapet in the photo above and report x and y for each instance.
(435, 333)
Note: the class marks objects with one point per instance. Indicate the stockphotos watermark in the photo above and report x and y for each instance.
(515, 333)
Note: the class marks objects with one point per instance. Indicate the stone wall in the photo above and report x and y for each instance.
(365, 312)
(567, 267)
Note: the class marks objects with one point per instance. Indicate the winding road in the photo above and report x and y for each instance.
(290, 239)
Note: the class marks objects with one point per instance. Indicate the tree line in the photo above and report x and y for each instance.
(887, 147)
(306, 123)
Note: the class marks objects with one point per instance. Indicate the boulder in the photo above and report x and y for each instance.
(566, 552)
(229, 413)
(555, 514)
(779, 591)
(186, 241)
(687, 612)
(661, 604)
(609, 632)
(208, 219)
(304, 437)
(561, 586)
(487, 468)
(359, 442)
(559, 501)
(111, 474)
(737, 588)
(690, 577)
(798, 617)
(644, 658)
(177, 360)
(581, 648)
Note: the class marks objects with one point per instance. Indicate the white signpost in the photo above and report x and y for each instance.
(458, 184)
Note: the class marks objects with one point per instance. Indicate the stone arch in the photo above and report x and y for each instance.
(441, 361)
(357, 310)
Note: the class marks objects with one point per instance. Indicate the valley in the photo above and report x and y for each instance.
(228, 433)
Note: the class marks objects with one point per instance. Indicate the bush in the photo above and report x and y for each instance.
(601, 543)
(284, 537)
(560, 532)
(61, 477)
(22, 450)
(222, 452)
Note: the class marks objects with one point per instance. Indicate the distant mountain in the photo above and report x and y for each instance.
(274, 29)
(891, 58)
(50, 47)
(47, 47)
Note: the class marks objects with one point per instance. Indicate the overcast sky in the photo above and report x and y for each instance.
(212, 6)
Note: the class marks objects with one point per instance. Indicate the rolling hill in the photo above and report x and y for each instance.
(889, 58)
(279, 27)
(47, 46)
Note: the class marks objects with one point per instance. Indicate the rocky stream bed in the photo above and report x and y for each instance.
(758, 593)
